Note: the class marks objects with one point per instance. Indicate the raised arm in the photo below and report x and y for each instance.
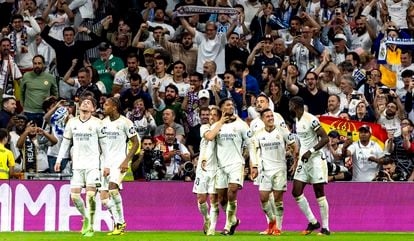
(187, 26)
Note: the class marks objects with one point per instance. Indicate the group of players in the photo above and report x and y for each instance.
(220, 169)
(100, 158)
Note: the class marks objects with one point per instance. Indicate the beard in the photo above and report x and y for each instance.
(37, 71)
(168, 100)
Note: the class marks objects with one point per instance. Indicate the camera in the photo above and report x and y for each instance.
(338, 11)
(153, 165)
(188, 169)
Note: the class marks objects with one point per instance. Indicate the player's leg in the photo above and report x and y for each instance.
(214, 212)
(235, 177)
(77, 182)
(265, 190)
(115, 194)
(200, 188)
(279, 187)
(303, 204)
(324, 207)
(267, 209)
(92, 179)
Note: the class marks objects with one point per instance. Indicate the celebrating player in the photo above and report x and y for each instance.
(229, 140)
(270, 154)
(118, 129)
(89, 142)
(312, 167)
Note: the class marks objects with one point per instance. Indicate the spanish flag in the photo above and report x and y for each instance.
(348, 127)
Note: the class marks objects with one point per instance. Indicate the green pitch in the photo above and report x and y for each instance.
(196, 236)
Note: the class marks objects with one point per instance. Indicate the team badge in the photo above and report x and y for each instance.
(46, 82)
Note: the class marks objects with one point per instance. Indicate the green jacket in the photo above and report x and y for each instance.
(35, 88)
(107, 79)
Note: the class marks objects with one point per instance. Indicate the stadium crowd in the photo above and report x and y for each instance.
(170, 65)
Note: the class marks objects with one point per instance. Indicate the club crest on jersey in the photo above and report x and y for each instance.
(103, 130)
(249, 133)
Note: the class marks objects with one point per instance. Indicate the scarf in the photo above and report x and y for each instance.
(8, 88)
(30, 162)
(191, 10)
(193, 106)
(23, 40)
(57, 120)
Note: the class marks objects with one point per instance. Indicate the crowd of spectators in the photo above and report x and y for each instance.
(346, 59)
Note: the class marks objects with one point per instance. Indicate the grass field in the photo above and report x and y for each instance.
(196, 236)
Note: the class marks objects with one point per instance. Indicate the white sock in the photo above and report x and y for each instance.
(304, 206)
(214, 212)
(267, 209)
(79, 204)
(91, 205)
(272, 205)
(231, 214)
(279, 215)
(117, 199)
(203, 208)
(324, 209)
(109, 204)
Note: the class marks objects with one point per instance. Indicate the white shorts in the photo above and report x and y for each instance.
(204, 182)
(273, 181)
(85, 178)
(314, 171)
(115, 176)
(230, 174)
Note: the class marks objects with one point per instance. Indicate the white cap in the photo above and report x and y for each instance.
(203, 94)
(340, 36)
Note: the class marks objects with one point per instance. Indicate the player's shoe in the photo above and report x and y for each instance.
(276, 232)
(234, 226)
(271, 227)
(210, 232)
(89, 233)
(324, 231)
(225, 232)
(265, 232)
(86, 226)
(206, 225)
(119, 229)
(311, 227)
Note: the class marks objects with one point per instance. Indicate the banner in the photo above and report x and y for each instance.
(389, 77)
(347, 127)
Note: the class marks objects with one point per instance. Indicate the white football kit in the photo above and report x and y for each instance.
(229, 144)
(270, 154)
(118, 133)
(315, 169)
(205, 179)
(89, 142)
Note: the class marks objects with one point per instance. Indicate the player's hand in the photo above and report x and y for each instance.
(253, 173)
(372, 159)
(57, 167)
(306, 156)
(106, 172)
(293, 167)
(124, 167)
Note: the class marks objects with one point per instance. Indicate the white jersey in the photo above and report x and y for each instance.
(306, 129)
(270, 149)
(118, 132)
(229, 142)
(390, 125)
(364, 170)
(154, 80)
(207, 151)
(85, 137)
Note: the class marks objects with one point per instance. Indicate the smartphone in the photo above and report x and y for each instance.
(176, 146)
(385, 90)
(338, 11)
(349, 135)
(287, 58)
(355, 96)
